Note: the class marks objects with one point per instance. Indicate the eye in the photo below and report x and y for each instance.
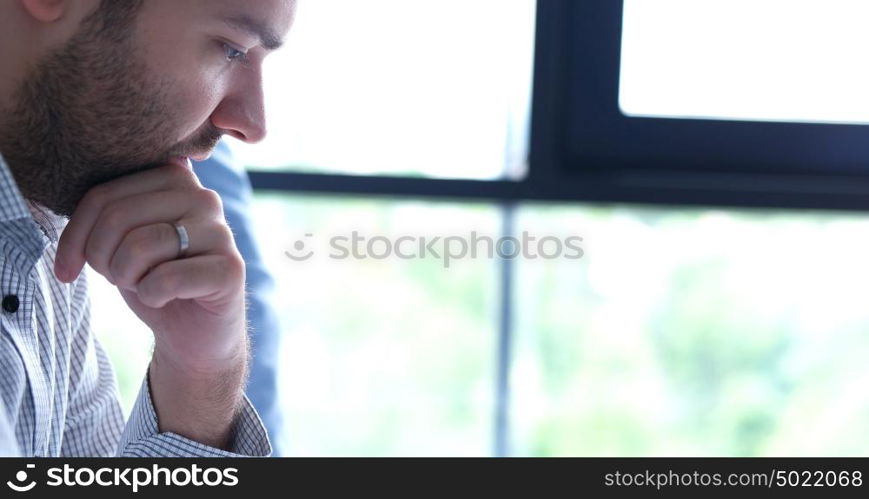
(233, 54)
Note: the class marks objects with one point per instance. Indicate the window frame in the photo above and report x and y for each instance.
(605, 155)
(557, 174)
(566, 164)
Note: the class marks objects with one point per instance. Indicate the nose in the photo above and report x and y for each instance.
(241, 113)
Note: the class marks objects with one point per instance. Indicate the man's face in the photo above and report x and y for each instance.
(141, 84)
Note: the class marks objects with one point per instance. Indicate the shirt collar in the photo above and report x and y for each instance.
(50, 224)
(32, 227)
(12, 204)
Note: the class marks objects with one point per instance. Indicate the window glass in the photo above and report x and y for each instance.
(436, 89)
(694, 332)
(382, 354)
(759, 60)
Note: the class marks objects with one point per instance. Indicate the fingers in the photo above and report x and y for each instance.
(71, 246)
(146, 247)
(121, 217)
(208, 278)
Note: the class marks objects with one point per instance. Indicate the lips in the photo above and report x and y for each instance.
(200, 157)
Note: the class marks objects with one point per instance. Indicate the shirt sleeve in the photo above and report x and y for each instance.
(8, 445)
(94, 419)
(142, 438)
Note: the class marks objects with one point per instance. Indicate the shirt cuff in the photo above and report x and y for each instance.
(142, 438)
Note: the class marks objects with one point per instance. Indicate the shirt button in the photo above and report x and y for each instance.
(10, 303)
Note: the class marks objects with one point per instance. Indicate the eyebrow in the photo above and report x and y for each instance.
(267, 37)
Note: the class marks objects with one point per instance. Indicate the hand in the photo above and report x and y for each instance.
(194, 305)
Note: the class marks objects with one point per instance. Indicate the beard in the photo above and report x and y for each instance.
(90, 112)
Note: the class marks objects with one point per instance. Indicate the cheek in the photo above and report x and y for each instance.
(193, 83)
(195, 102)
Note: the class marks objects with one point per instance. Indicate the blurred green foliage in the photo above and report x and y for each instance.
(681, 332)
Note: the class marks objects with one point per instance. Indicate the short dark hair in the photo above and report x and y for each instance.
(114, 18)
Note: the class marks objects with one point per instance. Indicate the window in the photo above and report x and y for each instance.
(681, 332)
(382, 355)
(695, 323)
(627, 109)
(455, 103)
(693, 332)
(757, 60)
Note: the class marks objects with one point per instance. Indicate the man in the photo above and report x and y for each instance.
(227, 177)
(102, 102)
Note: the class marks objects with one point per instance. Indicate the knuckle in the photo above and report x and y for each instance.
(123, 274)
(211, 201)
(161, 234)
(94, 257)
(139, 242)
(220, 238)
(225, 235)
(98, 195)
(183, 177)
(162, 283)
(140, 236)
(234, 267)
(120, 265)
(90, 254)
(114, 216)
(136, 251)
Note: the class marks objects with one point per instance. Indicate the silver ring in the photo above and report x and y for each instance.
(183, 240)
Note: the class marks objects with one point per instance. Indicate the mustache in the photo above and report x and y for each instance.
(204, 142)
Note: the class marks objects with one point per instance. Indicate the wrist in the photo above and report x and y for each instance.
(230, 358)
(198, 400)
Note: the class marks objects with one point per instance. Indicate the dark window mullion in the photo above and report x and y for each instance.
(504, 348)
